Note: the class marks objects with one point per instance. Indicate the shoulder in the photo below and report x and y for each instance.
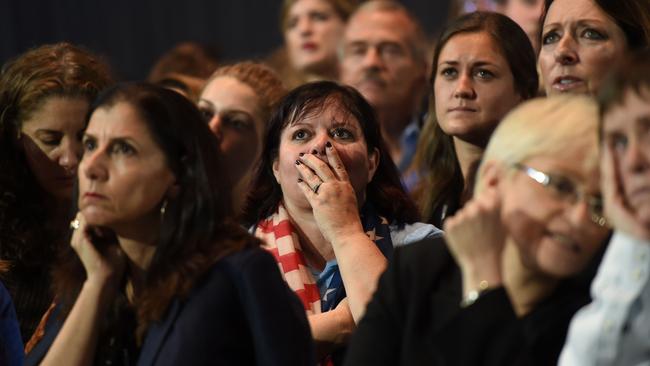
(403, 234)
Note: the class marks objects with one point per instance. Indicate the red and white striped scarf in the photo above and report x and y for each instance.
(280, 238)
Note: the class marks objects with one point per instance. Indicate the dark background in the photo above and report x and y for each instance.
(132, 34)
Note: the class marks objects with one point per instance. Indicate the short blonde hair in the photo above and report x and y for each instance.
(544, 127)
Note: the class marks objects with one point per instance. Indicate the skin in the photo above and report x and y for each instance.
(312, 134)
(313, 32)
(233, 112)
(580, 44)
(526, 13)
(626, 164)
(534, 237)
(51, 140)
(123, 177)
(474, 87)
(335, 157)
(378, 60)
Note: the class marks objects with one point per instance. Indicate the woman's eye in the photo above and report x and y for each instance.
(319, 16)
(300, 135)
(550, 37)
(618, 142)
(89, 145)
(593, 34)
(206, 114)
(237, 123)
(484, 74)
(342, 133)
(563, 186)
(449, 72)
(122, 148)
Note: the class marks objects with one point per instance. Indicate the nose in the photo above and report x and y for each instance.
(215, 126)
(92, 166)
(304, 26)
(465, 87)
(565, 53)
(318, 144)
(372, 59)
(579, 213)
(70, 155)
(634, 159)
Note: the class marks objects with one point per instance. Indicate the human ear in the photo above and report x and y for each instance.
(276, 169)
(373, 163)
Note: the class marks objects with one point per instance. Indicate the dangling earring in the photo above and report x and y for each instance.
(163, 209)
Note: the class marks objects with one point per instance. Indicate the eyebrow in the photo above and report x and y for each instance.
(114, 139)
(580, 22)
(474, 63)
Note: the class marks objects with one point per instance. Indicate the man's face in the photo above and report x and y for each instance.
(379, 59)
(626, 133)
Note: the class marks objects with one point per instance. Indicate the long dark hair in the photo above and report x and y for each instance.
(62, 70)
(384, 191)
(195, 230)
(436, 160)
(632, 16)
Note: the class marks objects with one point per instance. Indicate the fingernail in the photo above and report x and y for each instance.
(301, 154)
(328, 144)
(297, 162)
(299, 180)
(314, 151)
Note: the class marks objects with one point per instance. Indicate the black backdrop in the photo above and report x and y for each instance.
(131, 34)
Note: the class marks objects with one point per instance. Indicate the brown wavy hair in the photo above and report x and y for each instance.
(384, 191)
(26, 82)
(343, 8)
(196, 229)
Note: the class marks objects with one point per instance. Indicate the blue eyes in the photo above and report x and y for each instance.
(587, 33)
(451, 73)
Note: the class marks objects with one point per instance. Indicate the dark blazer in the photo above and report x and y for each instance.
(240, 313)
(415, 317)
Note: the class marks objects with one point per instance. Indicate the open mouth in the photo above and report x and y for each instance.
(567, 83)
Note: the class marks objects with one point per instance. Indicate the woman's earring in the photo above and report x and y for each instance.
(163, 208)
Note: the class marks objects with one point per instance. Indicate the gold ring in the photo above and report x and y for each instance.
(74, 224)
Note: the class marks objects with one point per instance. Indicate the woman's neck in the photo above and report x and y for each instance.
(467, 154)
(526, 287)
(138, 242)
(316, 249)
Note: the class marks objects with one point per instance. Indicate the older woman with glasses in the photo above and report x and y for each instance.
(517, 261)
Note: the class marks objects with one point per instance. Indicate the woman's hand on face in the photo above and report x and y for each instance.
(476, 236)
(327, 187)
(617, 211)
(103, 265)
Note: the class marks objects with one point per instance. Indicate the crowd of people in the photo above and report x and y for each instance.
(365, 196)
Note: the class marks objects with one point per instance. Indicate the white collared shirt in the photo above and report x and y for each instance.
(614, 329)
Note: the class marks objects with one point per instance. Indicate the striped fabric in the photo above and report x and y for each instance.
(280, 238)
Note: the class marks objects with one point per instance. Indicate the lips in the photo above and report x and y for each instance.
(567, 83)
(566, 241)
(638, 193)
(93, 196)
(309, 46)
(462, 109)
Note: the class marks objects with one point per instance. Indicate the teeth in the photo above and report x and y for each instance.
(566, 241)
(567, 81)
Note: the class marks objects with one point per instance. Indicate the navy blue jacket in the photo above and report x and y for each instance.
(240, 313)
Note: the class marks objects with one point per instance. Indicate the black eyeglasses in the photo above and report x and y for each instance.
(567, 190)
